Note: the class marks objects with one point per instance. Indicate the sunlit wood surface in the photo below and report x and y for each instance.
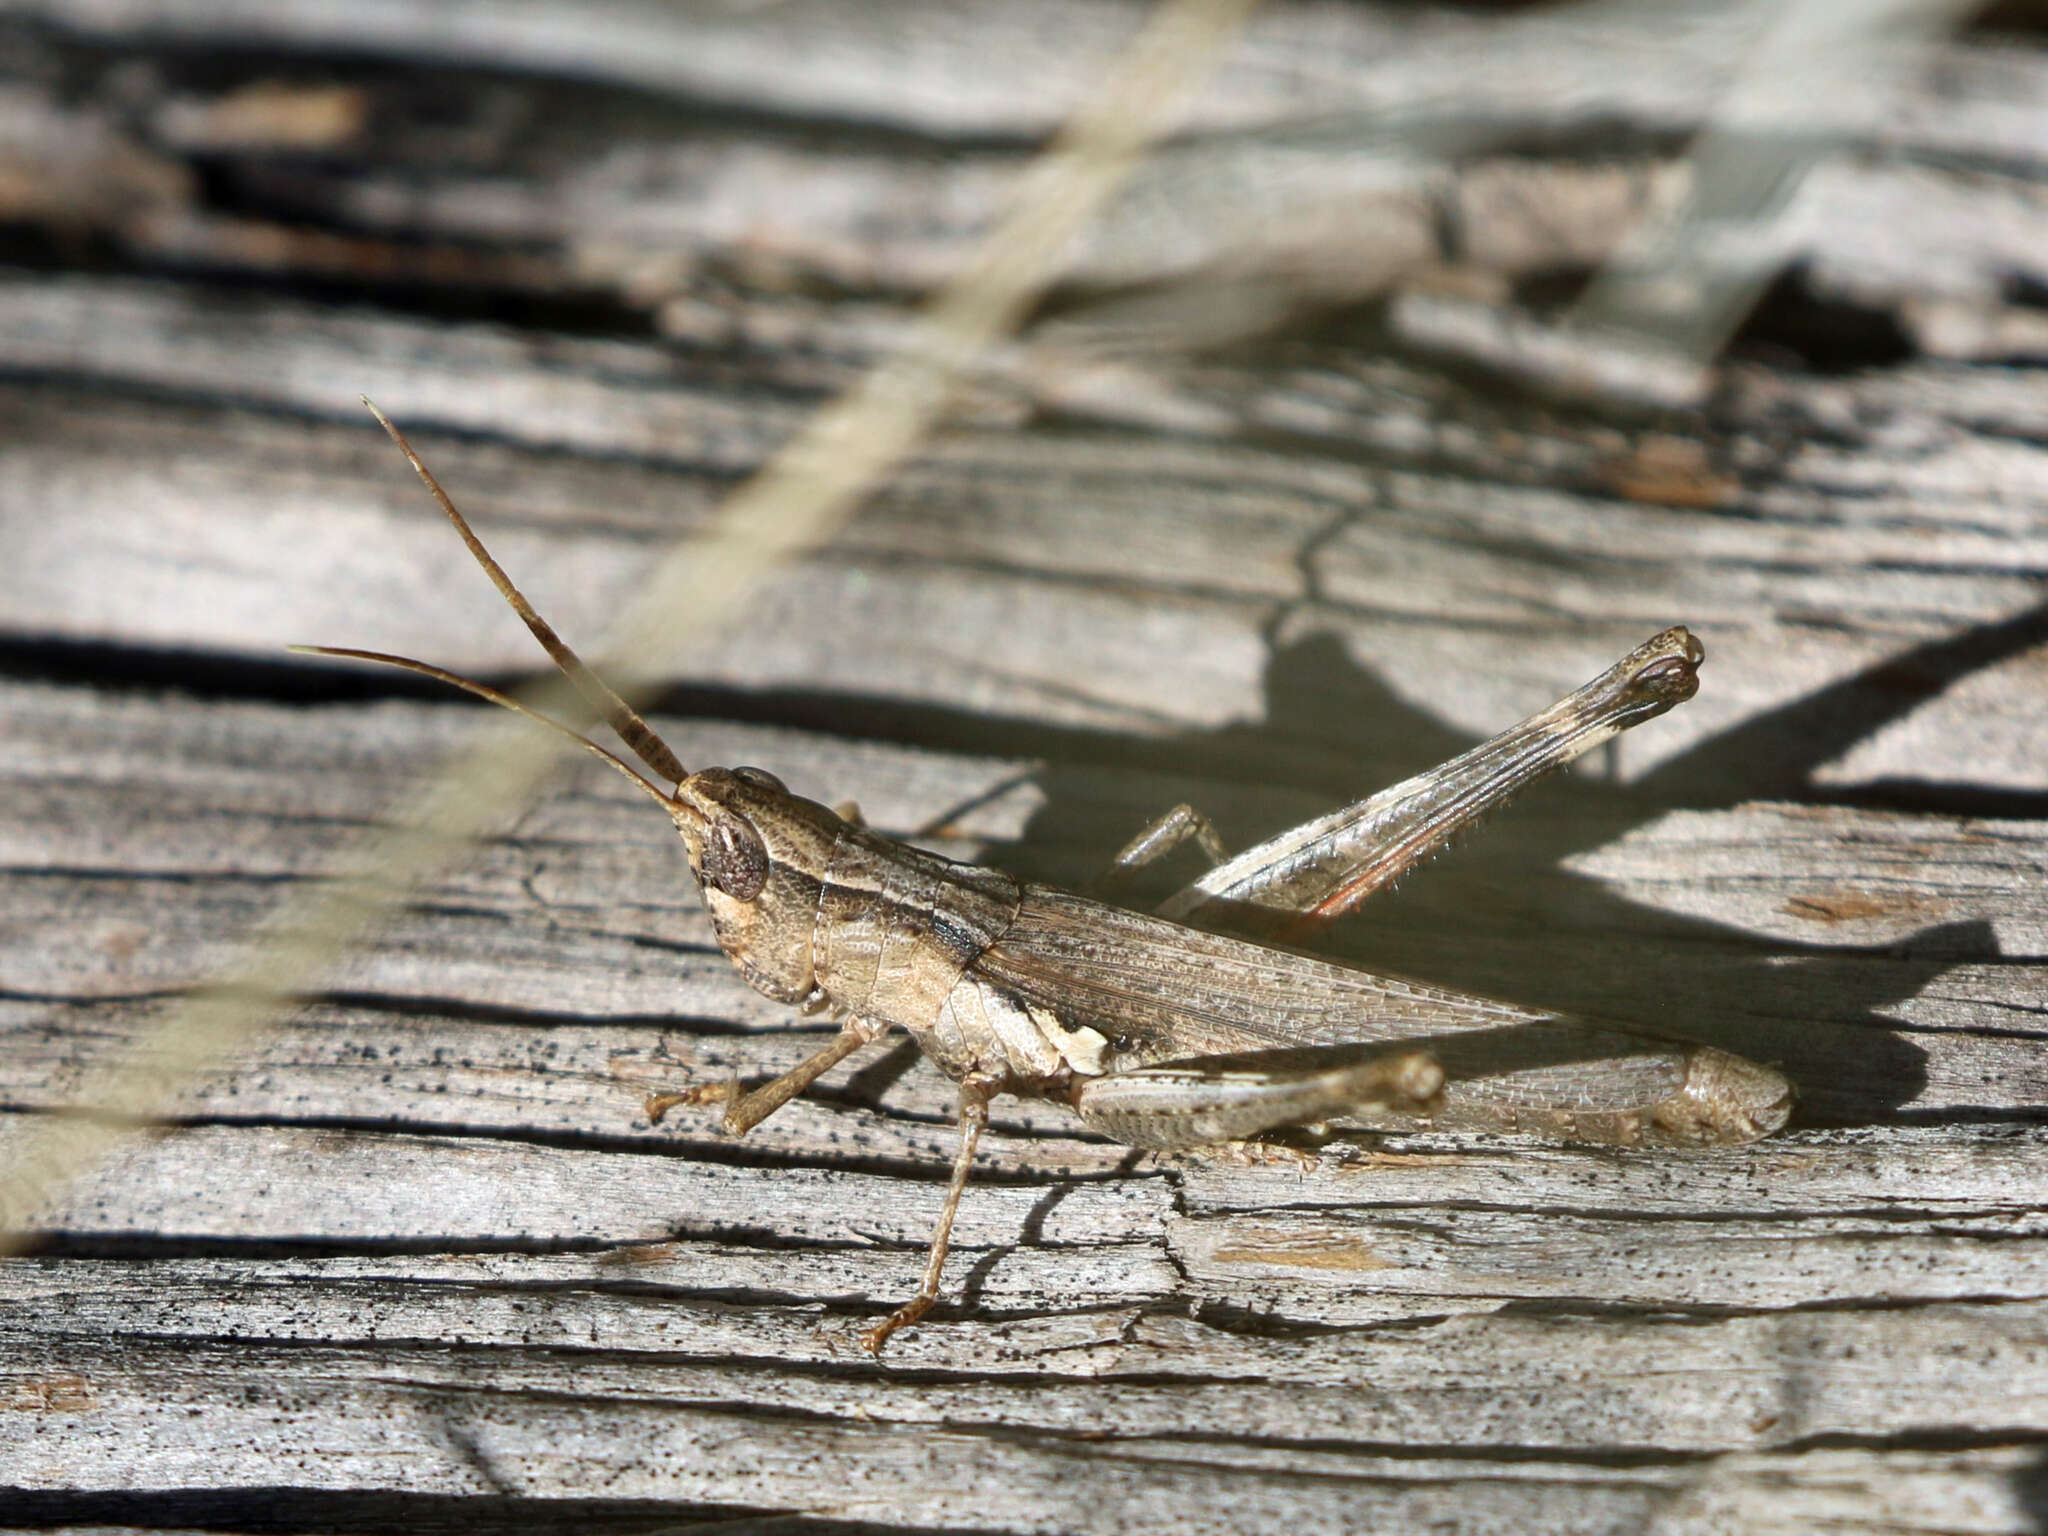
(1268, 510)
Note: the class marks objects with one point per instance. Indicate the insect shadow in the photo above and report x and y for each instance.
(1503, 915)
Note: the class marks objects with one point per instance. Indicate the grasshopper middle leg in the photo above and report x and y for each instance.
(974, 1099)
(1156, 839)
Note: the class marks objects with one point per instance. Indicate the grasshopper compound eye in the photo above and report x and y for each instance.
(735, 859)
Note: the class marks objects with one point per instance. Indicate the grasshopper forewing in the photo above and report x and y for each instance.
(1158, 1033)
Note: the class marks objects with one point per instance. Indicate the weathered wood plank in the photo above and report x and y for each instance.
(443, 1420)
(640, 1323)
(585, 908)
(1471, 1385)
(1256, 516)
(1432, 1233)
(1421, 576)
(1344, 150)
(331, 1186)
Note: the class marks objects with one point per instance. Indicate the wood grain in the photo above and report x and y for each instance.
(1266, 510)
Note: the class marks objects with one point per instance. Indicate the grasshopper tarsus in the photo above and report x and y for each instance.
(657, 1105)
(1164, 1035)
(912, 1312)
(1265, 1154)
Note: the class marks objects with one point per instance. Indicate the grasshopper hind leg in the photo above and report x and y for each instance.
(1324, 868)
(1206, 1101)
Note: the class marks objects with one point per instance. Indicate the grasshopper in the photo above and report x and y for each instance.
(1158, 1033)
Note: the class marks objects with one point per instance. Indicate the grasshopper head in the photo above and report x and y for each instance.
(759, 853)
(761, 856)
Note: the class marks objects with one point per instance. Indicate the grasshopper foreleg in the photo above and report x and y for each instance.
(1180, 1105)
(745, 1110)
(974, 1097)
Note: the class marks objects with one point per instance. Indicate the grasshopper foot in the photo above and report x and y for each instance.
(659, 1104)
(904, 1316)
(1261, 1154)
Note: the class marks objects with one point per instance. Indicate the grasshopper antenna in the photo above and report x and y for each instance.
(506, 701)
(622, 717)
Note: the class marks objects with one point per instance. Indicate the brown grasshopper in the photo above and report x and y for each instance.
(1159, 1034)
